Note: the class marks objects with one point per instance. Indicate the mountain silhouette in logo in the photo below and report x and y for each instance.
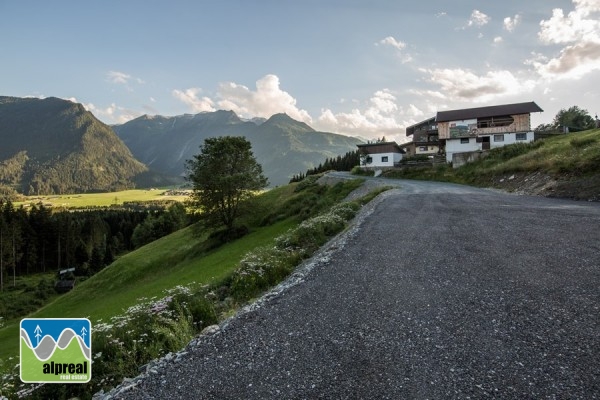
(47, 345)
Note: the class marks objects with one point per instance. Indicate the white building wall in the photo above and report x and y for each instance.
(455, 146)
(378, 160)
(509, 138)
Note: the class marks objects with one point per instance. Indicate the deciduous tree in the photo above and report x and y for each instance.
(225, 175)
(574, 118)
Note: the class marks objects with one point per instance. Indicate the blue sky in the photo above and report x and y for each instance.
(363, 68)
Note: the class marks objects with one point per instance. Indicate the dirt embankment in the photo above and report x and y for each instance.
(544, 184)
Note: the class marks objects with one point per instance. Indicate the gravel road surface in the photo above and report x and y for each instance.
(440, 291)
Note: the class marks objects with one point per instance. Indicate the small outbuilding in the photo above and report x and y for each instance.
(380, 154)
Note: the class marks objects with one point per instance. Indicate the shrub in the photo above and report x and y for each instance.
(345, 210)
(266, 266)
(306, 182)
(357, 170)
(260, 269)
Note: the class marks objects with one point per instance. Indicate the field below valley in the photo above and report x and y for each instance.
(90, 200)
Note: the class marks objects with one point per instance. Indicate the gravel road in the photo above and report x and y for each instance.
(440, 291)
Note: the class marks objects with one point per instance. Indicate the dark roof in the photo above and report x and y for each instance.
(411, 129)
(491, 111)
(382, 147)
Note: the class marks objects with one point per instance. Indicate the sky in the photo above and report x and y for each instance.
(360, 68)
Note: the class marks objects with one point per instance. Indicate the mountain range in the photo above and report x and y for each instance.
(282, 145)
(51, 146)
(55, 146)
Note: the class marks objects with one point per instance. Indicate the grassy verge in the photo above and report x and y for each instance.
(574, 155)
(155, 299)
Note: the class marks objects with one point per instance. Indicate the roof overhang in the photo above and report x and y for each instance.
(411, 129)
(376, 148)
(490, 111)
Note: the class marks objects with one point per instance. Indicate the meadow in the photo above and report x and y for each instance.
(92, 200)
(155, 299)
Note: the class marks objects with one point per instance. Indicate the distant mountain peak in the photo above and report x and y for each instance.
(281, 144)
(284, 119)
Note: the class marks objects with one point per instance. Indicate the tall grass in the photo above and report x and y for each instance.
(154, 300)
(575, 154)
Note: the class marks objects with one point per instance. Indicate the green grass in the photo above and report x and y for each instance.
(182, 258)
(26, 294)
(147, 272)
(100, 199)
(575, 154)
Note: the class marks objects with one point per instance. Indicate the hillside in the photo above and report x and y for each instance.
(282, 145)
(566, 166)
(192, 259)
(54, 146)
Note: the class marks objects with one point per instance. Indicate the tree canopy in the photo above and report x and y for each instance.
(574, 118)
(224, 175)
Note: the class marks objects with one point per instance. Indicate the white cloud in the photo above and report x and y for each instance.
(428, 93)
(462, 84)
(266, 100)
(381, 115)
(511, 23)
(112, 113)
(573, 61)
(579, 32)
(498, 39)
(391, 41)
(478, 18)
(190, 97)
(587, 7)
(398, 45)
(118, 77)
(441, 14)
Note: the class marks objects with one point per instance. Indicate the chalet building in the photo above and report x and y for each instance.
(457, 133)
(425, 138)
(484, 128)
(382, 154)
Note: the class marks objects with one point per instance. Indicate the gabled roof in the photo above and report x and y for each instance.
(382, 147)
(411, 129)
(491, 111)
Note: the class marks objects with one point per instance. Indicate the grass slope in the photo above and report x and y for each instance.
(569, 163)
(146, 272)
(182, 258)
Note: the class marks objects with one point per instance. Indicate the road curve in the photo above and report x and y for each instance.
(443, 292)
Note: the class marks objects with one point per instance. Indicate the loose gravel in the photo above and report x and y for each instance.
(436, 292)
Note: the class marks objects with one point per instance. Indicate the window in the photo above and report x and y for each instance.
(384, 159)
(498, 138)
(464, 140)
(423, 148)
(491, 122)
(369, 159)
(521, 136)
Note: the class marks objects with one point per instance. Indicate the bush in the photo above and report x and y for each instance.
(260, 269)
(266, 266)
(357, 170)
(306, 182)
